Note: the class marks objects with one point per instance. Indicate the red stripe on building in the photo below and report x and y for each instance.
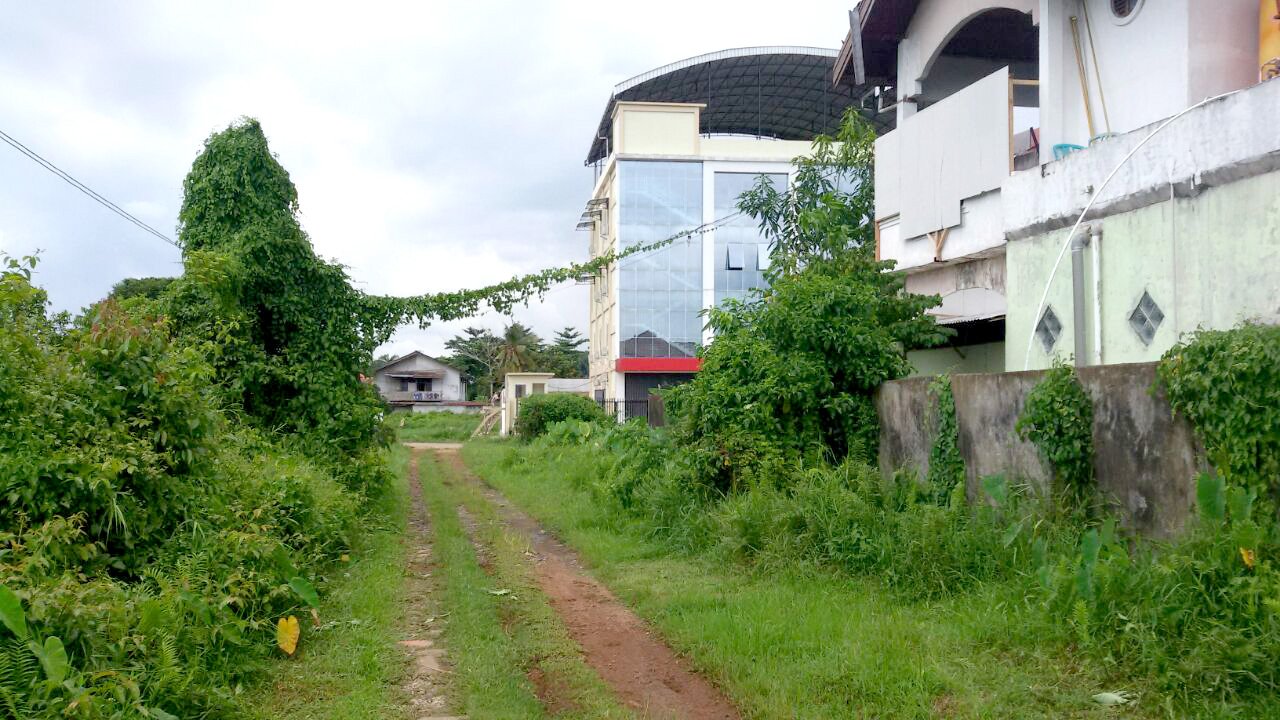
(658, 365)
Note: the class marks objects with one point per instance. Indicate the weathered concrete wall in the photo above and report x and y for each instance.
(1145, 459)
(908, 424)
(987, 409)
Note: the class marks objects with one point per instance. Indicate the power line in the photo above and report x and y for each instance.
(9, 140)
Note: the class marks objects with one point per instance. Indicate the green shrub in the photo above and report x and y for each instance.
(539, 412)
(1058, 418)
(1227, 383)
(148, 540)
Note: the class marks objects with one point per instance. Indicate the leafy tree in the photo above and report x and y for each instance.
(565, 358)
(150, 288)
(293, 346)
(475, 352)
(519, 350)
(791, 372)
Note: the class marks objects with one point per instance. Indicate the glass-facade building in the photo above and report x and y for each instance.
(741, 251)
(662, 294)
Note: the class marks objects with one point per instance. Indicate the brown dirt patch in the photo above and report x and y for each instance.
(642, 671)
(551, 692)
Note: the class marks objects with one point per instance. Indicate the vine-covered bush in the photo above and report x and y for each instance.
(946, 466)
(539, 412)
(1227, 383)
(1058, 418)
(148, 541)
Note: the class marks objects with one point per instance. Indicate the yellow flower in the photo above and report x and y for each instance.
(1247, 556)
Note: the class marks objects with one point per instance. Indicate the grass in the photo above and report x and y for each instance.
(350, 670)
(487, 680)
(806, 643)
(433, 426)
(537, 636)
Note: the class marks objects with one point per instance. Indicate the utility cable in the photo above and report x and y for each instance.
(66, 177)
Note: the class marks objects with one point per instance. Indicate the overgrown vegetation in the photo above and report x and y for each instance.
(795, 638)
(1058, 418)
(766, 462)
(946, 466)
(539, 412)
(788, 380)
(184, 465)
(1227, 383)
(149, 542)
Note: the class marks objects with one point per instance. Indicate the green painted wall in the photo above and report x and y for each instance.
(1209, 261)
(985, 358)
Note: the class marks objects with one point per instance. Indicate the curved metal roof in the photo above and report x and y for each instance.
(783, 92)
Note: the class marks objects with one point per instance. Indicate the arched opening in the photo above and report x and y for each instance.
(986, 42)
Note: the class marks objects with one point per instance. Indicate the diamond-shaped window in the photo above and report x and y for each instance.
(1146, 318)
(1048, 330)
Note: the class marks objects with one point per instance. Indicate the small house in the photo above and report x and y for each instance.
(420, 383)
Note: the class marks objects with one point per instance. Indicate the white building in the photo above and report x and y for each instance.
(675, 149)
(1005, 114)
(421, 383)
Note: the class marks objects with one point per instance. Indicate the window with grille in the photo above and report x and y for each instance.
(1146, 318)
(1048, 330)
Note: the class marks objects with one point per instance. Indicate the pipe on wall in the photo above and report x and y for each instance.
(1095, 240)
(1078, 244)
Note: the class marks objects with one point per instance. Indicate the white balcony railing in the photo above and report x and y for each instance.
(414, 396)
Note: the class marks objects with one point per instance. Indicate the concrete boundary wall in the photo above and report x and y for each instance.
(1145, 459)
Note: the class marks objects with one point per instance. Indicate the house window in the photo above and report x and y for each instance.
(600, 397)
(1048, 330)
(519, 391)
(539, 388)
(423, 384)
(404, 385)
(1146, 318)
(762, 256)
(734, 258)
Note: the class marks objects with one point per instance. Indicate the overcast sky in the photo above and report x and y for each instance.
(435, 145)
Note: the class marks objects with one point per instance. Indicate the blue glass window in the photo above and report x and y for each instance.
(660, 292)
(742, 252)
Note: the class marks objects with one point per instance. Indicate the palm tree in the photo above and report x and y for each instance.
(518, 349)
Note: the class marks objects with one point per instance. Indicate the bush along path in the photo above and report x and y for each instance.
(596, 637)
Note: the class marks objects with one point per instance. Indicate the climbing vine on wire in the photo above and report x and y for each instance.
(292, 334)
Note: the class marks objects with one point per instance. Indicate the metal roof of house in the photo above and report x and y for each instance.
(782, 92)
(408, 373)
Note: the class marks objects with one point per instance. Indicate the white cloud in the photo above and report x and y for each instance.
(435, 146)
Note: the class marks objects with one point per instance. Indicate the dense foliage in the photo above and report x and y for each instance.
(1227, 383)
(790, 374)
(946, 466)
(148, 542)
(181, 465)
(538, 412)
(1058, 418)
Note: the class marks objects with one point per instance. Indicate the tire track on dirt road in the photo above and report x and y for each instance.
(636, 664)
